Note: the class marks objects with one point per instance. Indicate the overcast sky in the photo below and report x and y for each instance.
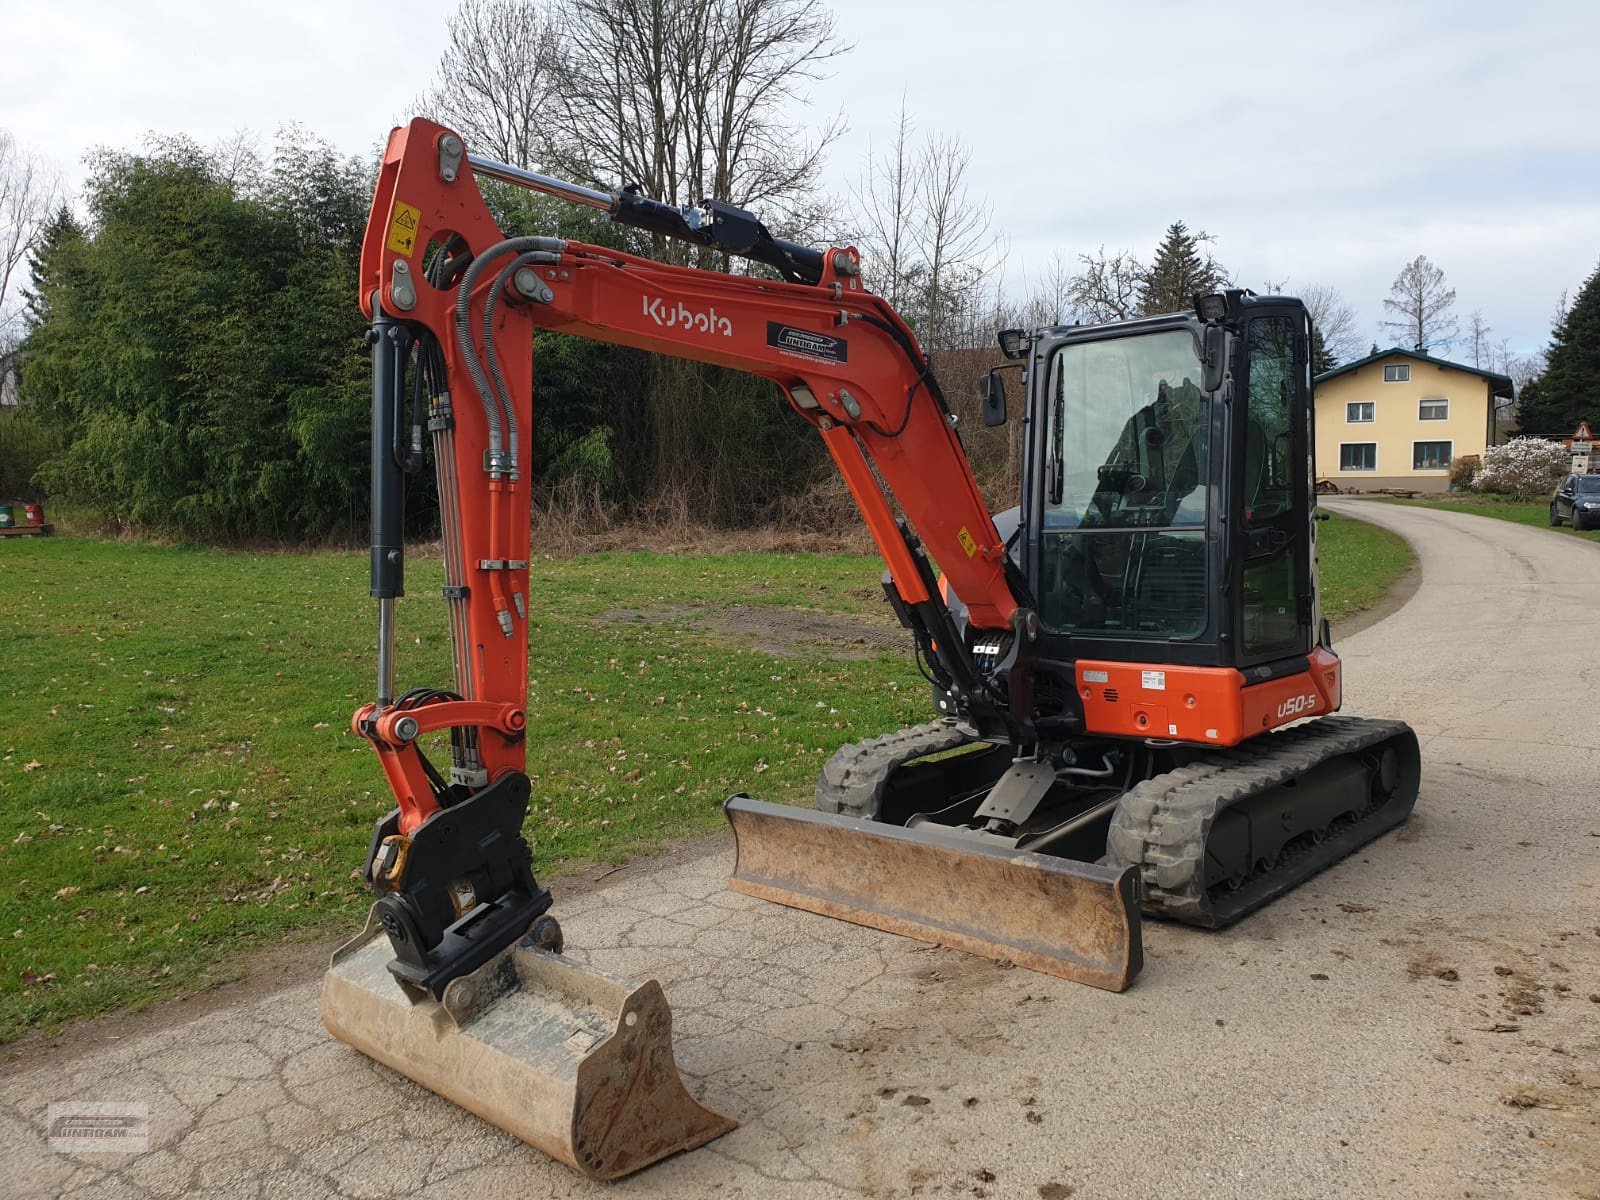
(1318, 143)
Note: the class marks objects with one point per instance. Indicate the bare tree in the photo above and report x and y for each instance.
(696, 98)
(1422, 304)
(1523, 368)
(1478, 331)
(1052, 300)
(237, 158)
(953, 239)
(1333, 321)
(1108, 287)
(927, 242)
(494, 81)
(689, 99)
(29, 192)
(886, 199)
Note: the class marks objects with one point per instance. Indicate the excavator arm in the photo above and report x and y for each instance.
(455, 305)
(437, 270)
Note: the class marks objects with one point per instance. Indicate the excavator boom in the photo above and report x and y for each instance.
(458, 981)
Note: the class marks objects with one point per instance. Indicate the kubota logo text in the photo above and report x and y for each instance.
(1296, 705)
(681, 316)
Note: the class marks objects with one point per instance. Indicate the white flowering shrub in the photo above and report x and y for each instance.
(1523, 467)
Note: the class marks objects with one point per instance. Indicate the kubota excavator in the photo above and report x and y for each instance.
(1113, 662)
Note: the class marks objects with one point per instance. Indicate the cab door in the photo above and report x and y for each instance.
(1271, 479)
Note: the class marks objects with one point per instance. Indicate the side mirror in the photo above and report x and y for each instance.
(1216, 351)
(993, 394)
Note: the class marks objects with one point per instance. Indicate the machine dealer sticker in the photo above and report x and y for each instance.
(1153, 681)
(98, 1126)
(806, 343)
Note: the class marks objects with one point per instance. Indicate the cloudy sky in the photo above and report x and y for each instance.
(1318, 143)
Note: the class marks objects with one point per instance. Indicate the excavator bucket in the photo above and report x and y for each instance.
(574, 1062)
(1073, 919)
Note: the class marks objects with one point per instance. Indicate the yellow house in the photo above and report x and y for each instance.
(1396, 419)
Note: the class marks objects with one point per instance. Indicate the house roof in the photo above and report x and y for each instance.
(1499, 385)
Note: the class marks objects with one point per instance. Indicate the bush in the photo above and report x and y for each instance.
(25, 443)
(1523, 467)
(1464, 471)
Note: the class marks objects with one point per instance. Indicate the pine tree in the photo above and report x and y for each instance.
(1178, 273)
(58, 240)
(1322, 359)
(1569, 389)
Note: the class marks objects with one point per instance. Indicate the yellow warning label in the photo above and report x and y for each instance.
(967, 544)
(403, 228)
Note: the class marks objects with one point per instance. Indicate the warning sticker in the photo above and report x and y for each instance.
(967, 542)
(1153, 681)
(403, 228)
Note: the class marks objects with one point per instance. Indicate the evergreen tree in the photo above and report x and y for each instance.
(1178, 273)
(199, 355)
(1569, 389)
(60, 241)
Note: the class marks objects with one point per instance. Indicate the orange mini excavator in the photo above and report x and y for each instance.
(1113, 662)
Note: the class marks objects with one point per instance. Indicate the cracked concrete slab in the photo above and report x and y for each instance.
(1416, 1021)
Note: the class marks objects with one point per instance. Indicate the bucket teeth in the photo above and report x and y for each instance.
(575, 1062)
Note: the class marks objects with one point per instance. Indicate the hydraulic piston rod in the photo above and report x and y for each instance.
(712, 223)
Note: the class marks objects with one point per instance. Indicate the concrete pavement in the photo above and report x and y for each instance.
(1416, 1021)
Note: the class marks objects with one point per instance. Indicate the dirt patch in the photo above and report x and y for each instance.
(781, 632)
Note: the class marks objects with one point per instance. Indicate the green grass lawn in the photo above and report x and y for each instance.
(1358, 564)
(1504, 508)
(179, 782)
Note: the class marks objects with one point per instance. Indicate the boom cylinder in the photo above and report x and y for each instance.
(391, 345)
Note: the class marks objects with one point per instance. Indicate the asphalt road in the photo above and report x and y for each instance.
(1421, 1020)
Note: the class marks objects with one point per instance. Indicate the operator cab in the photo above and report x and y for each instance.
(1167, 491)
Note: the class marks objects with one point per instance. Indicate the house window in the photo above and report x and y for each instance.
(1400, 373)
(1433, 410)
(1358, 411)
(1430, 456)
(1358, 456)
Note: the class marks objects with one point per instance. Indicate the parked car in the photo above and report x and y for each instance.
(1577, 501)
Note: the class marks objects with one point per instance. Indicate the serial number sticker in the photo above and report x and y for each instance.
(403, 228)
(1097, 676)
(968, 543)
(1153, 681)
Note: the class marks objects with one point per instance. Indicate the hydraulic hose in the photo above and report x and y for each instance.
(492, 355)
(487, 396)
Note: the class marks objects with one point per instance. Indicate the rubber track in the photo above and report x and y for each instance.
(854, 778)
(1161, 825)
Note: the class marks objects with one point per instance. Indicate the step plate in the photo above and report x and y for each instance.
(1075, 920)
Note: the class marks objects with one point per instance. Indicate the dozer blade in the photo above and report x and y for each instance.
(1072, 919)
(574, 1062)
